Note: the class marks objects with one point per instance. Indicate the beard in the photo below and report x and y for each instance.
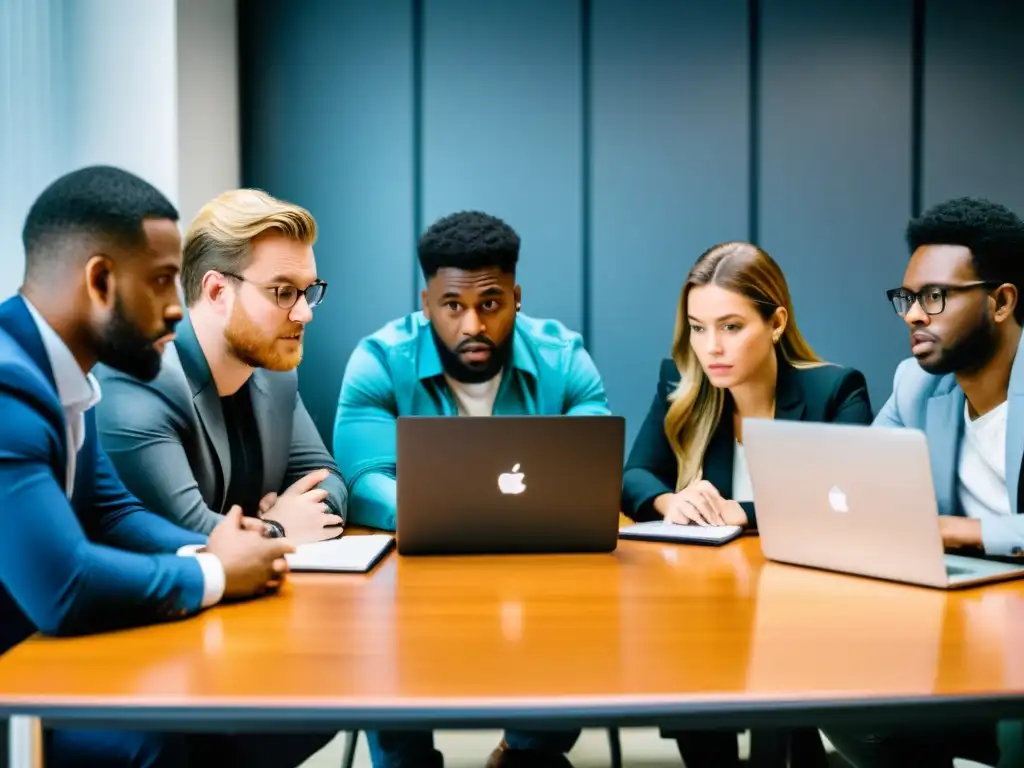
(123, 347)
(254, 347)
(475, 373)
(968, 354)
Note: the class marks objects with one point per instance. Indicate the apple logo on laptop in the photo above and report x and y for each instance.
(511, 483)
(837, 499)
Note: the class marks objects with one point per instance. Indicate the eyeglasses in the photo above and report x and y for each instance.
(932, 298)
(287, 296)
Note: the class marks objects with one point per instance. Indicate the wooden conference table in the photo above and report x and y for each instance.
(654, 634)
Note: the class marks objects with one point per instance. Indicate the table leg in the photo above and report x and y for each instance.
(25, 742)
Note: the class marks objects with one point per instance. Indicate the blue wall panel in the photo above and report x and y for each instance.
(617, 137)
(835, 173)
(670, 132)
(327, 120)
(502, 121)
(974, 101)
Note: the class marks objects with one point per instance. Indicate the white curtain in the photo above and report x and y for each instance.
(34, 130)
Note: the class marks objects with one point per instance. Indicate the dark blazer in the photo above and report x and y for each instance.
(98, 562)
(827, 393)
(176, 422)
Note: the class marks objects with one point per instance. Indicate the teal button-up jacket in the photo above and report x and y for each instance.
(397, 372)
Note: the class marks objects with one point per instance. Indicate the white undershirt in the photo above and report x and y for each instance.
(742, 490)
(982, 470)
(475, 399)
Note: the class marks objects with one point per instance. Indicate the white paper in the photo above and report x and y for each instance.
(672, 532)
(349, 553)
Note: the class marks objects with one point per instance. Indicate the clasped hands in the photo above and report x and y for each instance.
(302, 511)
(699, 503)
(255, 564)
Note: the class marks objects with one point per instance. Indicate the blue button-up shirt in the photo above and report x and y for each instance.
(397, 372)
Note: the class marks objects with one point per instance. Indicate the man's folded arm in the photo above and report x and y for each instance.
(64, 582)
(308, 454)
(585, 395)
(139, 435)
(121, 520)
(365, 439)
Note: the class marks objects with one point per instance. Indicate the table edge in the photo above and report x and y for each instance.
(474, 713)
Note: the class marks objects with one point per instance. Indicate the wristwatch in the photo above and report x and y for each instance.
(272, 529)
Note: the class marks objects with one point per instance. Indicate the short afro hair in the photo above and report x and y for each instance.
(468, 240)
(991, 232)
(99, 201)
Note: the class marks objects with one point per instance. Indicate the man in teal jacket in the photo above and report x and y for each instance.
(469, 352)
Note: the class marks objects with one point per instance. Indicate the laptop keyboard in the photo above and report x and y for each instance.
(952, 570)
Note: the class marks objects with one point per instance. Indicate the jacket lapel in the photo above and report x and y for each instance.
(789, 395)
(206, 399)
(17, 322)
(718, 458)
(944, 425)
(720, 455)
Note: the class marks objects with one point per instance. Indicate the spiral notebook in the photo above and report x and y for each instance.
(349, 554)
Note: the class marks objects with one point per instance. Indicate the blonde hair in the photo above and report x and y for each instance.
(220, 237)
(696, 405)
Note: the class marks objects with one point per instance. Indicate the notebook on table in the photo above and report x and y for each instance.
(349, 554)
(659, 530)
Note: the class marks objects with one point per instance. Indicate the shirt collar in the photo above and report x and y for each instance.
(77, 391)
(428, 362)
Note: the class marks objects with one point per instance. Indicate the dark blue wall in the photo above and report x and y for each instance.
(621, 138)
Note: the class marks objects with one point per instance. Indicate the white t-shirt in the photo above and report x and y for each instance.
(475, 399)
(982, 469)
(742, 490)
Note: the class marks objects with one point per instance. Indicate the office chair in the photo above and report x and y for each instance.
(348, 757)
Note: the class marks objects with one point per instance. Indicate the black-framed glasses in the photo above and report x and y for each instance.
(287, 296)
(932, 298)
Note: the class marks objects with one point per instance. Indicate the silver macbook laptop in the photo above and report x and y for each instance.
(509, 484)
(855, 499)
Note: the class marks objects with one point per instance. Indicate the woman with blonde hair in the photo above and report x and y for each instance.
(737, 353)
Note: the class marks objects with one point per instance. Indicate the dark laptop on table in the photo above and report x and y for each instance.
(508, 484)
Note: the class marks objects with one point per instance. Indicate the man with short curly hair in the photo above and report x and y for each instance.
(964, 387)
(469, 352)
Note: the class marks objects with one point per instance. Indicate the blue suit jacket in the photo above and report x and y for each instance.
(97, 562)
(935, 405)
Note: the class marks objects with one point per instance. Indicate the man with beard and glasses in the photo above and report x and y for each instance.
(469, 352)
(964, 387)
(79, 554)
(224, 421)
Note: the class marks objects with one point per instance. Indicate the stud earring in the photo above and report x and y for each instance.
(518, 306)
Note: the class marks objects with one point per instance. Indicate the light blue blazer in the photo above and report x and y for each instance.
(935, 405)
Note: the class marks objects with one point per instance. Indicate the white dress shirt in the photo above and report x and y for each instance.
(78, 392)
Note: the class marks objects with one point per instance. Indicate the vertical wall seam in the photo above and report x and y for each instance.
(585, 169)
(417, 143)
(917, 107)
(754, 116)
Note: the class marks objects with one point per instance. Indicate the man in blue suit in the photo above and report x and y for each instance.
(78, 553)
(964, 387)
